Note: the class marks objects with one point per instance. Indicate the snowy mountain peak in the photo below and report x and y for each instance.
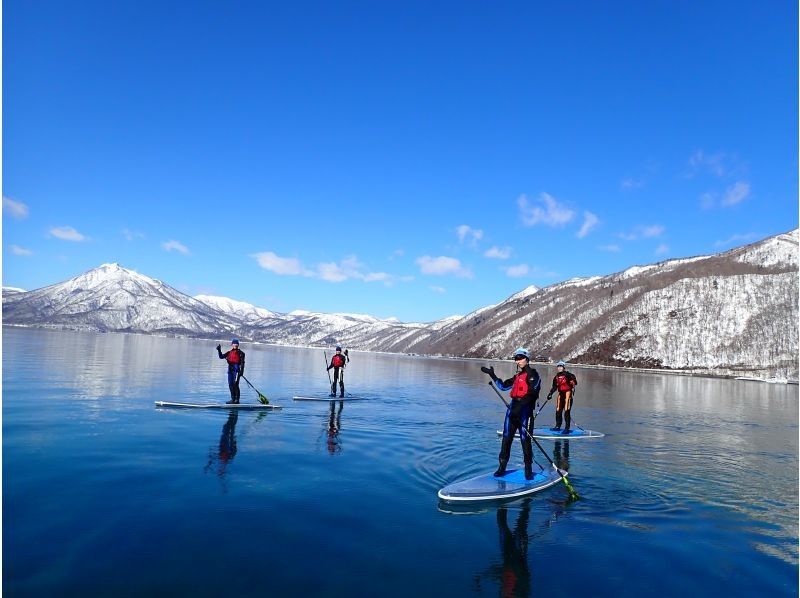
(232, 306)
(527, 291)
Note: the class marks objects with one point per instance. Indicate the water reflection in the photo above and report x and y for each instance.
(334, 425)
(561, 454)
(220, 457)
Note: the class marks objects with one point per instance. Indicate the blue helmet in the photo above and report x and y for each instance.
(235, 341)
(521, 352)
(561, 364)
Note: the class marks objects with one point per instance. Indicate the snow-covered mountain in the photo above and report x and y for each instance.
(730, 313)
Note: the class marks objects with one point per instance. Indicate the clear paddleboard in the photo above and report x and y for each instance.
(488, 487)
(547, 433)
(217, 405)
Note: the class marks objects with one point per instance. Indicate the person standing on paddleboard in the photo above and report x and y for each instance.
(338, 363)
(564, 383)
(235, 359)
(524, 387)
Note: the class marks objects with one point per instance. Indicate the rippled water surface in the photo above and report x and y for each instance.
(694, 489)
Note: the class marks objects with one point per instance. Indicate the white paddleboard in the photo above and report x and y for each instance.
(327, 399)
(217, 405)
(487, 487)
(548, 434)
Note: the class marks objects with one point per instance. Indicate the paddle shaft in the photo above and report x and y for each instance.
(261, 397)
(572, 492)
(327, 371)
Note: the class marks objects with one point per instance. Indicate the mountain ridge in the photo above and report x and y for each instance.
(708, 313)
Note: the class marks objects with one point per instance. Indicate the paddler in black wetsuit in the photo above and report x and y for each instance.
(524, 387)
(338, 362)
(564, 382)
(235, 359)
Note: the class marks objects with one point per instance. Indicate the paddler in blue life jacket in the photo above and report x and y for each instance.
(338, 363)
(564, 383)
(235, 359)
(524, 387)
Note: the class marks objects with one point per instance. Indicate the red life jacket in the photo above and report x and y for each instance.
(563, 382)
(337, 361)
(233, 356)
(520, 388)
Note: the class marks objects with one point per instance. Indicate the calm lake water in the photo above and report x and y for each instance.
(693, 490)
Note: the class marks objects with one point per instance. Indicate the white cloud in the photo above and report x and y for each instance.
(629, 183)
(17, 250)
(397, 253)
(66, 233)
(737, 239)
(14, 208)
(466, 232)
(643, 232)
(285, 266)
(553, 213)
(130, 235)
(173, 245)
(589, 222)
(707, 200)
(437, 289)
(662, 249)
(517, 271)
(441, 266)
(610, 248)
(736, 193)
(498, 253)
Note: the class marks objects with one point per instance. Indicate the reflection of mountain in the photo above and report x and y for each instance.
(730, 313)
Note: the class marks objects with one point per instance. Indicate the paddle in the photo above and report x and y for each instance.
(572, 493)
(327, 371)
(261, 398)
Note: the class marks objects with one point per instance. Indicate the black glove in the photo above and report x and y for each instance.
(490, 371)
(549, 396)
(219, 348)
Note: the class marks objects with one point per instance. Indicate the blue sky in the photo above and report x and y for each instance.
(412, 159)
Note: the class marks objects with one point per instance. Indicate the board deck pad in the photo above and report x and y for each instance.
(547, 433)
(217, 405)
(327, 399)
(488, 487)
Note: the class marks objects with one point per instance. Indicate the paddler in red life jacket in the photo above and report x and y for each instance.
(235, 359)
(564, 383)
(524, 387)
(338, 363)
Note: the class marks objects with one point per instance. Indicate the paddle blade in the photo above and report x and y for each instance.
(262, 399)
(572, 494)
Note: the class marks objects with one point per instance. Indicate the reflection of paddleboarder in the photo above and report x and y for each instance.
(227, 446)
(561, 458)
(513, 573)
(334, 425)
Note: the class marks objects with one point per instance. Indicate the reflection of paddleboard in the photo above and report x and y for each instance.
(328, 399)
(217, 405)
(488, 487)
(556, 435)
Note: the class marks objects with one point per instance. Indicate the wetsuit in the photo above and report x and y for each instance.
(524, 386)
(338, 365)
(235, 359)
(564, 383)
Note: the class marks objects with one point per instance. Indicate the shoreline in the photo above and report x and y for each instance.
(742, 377)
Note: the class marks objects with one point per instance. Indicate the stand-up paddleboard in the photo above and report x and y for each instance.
(217, 405)
(327, 399)
(547, 433)
(488, 487)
